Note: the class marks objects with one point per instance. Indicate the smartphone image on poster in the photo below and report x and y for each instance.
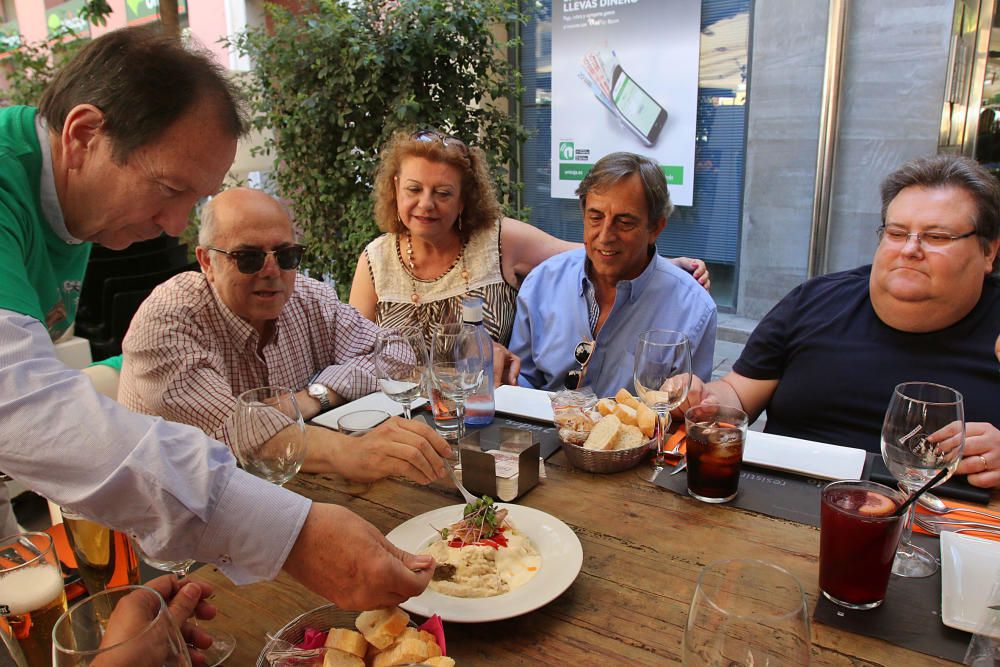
(644, 115)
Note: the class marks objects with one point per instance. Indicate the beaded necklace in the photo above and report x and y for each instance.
(414, 297)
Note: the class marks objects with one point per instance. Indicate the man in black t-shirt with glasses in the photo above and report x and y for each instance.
(825, 360)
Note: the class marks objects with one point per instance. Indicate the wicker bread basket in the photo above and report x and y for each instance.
(596, 460)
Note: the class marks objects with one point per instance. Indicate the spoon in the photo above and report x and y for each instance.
(936, 505)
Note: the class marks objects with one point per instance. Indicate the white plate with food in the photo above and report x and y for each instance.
(969, 566)
(540, 540)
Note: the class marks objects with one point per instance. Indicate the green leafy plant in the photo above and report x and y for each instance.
(335, 81)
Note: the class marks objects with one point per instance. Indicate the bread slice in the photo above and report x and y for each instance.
(347, 641)
(646, 420)
(629, 436)
(626, 414)
(381, 627)
(604, 434)
(335, 658)
(626, 398)
(606, 406)
(440, 661)
(403, 652)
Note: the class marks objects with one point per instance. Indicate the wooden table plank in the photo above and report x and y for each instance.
(643, 550)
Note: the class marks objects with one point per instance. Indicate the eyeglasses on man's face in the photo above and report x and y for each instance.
(583, 352)
(446, 140)
(900, 236)
(252, 260)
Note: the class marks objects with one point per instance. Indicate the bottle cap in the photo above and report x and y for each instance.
(472, 310)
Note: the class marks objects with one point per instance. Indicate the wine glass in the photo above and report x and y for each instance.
(270, 437)
(746, 612)
(401, 364)
(223, 643)
(82, 637)
(917, 411)
(662, 380)
(457, 365)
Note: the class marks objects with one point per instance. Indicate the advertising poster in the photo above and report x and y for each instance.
(624, 78)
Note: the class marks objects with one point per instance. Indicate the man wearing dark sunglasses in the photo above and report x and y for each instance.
(250, 320)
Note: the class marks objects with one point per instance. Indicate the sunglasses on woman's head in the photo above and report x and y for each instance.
(446, 140)
(252, 260)
(582, 353)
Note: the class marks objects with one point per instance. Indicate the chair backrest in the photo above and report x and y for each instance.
(161, 242)
(99, 271)
(144, 282)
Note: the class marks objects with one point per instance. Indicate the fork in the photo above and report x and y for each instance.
(937, 527)
(469, 498)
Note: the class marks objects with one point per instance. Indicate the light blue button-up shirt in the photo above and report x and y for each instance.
(552, 318)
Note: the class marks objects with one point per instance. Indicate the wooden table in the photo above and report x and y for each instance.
(643, 548)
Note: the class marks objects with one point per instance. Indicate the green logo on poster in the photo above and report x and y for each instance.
(566, 151)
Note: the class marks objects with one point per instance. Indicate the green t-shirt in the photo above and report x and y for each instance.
(40, 274)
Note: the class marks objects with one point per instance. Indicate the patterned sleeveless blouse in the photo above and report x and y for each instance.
(441, 298)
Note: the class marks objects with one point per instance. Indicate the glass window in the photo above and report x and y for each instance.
(710, 229)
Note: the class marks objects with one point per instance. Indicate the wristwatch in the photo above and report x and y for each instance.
(320, 393)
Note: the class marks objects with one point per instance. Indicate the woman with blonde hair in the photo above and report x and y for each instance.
(445, 238)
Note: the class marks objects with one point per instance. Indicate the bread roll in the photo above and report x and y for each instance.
(626, 398)
(381, 627)
(646, 420)
(335, 658)
(604, 434)
(606, 406)
(403, 652)
(440, 661)
(348, 641)
(629, 436)
(626, 414)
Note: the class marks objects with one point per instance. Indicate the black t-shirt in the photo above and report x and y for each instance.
(838, 362)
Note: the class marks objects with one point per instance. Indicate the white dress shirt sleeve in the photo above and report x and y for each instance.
(176, 489)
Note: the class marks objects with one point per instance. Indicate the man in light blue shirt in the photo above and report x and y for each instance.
(612, 290)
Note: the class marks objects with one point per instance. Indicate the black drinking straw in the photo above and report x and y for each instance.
(921, 491)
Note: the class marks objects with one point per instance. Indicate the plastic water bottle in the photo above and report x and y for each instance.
(479, 406)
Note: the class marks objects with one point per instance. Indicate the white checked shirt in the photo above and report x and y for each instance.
(187, 356)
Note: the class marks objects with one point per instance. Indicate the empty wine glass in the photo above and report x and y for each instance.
(223, 643)
(747, 612)
(457, 365)
(662, 380)
(401, 364)
(83, 637)
(270, 437)
(917, 411)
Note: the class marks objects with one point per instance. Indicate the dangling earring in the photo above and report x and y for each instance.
(400, 221)
(459, 222)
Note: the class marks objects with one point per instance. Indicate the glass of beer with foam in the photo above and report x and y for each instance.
(31, 597)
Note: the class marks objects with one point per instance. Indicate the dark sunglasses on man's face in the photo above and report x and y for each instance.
(583, 352)
(252, 261)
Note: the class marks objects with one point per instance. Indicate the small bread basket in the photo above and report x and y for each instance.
(601, 461)
(321, 618)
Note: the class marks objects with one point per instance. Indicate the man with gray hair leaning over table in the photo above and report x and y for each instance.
(825, 360)
(249, 319)
(113, 156)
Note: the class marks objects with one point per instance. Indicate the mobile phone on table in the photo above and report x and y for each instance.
(643, 115)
